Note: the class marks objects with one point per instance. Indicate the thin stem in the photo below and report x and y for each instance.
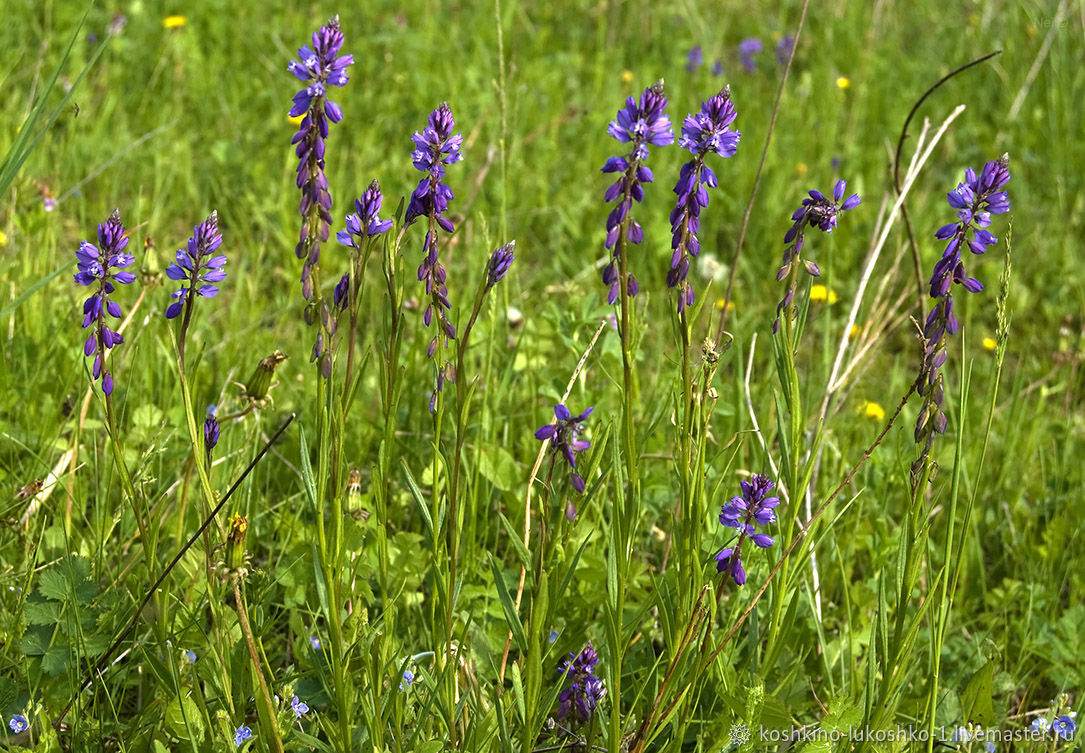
(270, 724)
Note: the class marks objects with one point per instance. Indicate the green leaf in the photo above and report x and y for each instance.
(976, 701)
(418, 498)
(509, 606)
(184, 720)
(64, 581)
(42, 612)
(521, 551)
(499, 468)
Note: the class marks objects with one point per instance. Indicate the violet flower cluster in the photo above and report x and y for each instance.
(97, 265)
(435, 147)
(579, 700)
(361, 226)
(975, 200)
(319, 68)
(816, 211)
(210, 432)
(500, 262)
(744, 513)
(747, 48)
(564, 436)
(709, 131)
(639, 124)
(196, 267)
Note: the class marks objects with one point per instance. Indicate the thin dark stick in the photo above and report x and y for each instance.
(101, 664)
(757, 177)
(918, 261)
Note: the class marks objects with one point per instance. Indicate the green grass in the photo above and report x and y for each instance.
(172, 123)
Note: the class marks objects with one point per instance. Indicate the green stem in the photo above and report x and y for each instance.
(267, 717)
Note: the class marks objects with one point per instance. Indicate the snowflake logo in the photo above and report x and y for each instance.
(739, 735)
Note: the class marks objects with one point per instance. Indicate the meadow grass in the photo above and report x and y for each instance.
(412, 576)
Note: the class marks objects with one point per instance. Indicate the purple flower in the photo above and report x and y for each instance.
(210, 432)
(299, 707)
(816, 211)
(564, 436)
(499, 264)
(242, 734)
(407, 681)
(319, 68)
(784, 48)
(18, 723)
(747, 48)
(365, 222)
(744, 513)
(579, 700)
(435, 147)
(196, 267)
(709, 131)
(694, 58)
(96, 266)
(341, 294)
(717, 68)
(975, 200)
(1064, 727)
(640, 124)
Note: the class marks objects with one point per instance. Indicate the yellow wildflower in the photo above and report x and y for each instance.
(720, 303)
(872, 410)
(174, 22)
(3, 239)
(800, 169)
(822, 293)
(988, 343)
(853, 331)
(627, 77)
(843, 82)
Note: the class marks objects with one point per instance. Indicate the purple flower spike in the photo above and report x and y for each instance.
(365, 222)
(694, 58)
(784, 48)
(816, 211)
(744, 513)
(196, 266)
(435, 147)
(500, 262)
(564, 436)
(709, 131)
(319, 67)
(639, 124)
(975, 200)
(747, 48)
(97, 265)
(210, 432)
(580, 699)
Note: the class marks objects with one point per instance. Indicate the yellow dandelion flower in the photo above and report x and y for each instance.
(720, 303)
(872, 410)
(3, 239)
(854, 331)
(627, 77)
(174, 22)
(988, 342)
(822, 293)
(296, 119)
(843, 82)
(800, 169)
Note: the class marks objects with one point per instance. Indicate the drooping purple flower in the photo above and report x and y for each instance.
(816, 211)
(196, 267)
(709, 131)
(580, 699)
(564, 436)
(694, 58)
(500, 262)
(435, 147)
(97, 265)
(784, 48)
(210, 431)
(319, 67)
(747, 48)
(975, 200)
(639, 124)
(744, 513)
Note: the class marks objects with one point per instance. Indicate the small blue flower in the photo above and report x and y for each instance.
(299, 706)
(961, 735)
(1064, 727)
(242, 734)
(553, 635)
(1040, 724)
(990, 747)
(315, 643)
(190, 656)
(408, 679)
(19, 723)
